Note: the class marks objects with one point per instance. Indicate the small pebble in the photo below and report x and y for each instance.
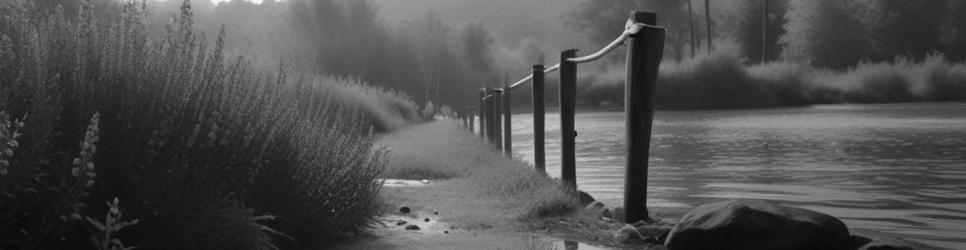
(445, 232)
(424, 181)
(435, 212)
(404, 210)
(412, 227)
(426, 220)
(400, 223)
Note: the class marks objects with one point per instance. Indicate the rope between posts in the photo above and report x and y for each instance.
(630, 28)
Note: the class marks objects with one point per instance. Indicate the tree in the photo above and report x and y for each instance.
(823, 33)
(749, 33)
(902, 27)
(707, 22)
(691, 27)
(953, 37)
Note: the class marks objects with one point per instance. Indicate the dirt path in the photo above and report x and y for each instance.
(459, 208)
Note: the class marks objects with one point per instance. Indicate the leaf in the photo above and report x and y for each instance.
(96, 224)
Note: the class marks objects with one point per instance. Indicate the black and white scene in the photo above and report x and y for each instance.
(483, 124)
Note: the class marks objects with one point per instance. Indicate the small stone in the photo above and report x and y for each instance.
(435, 212)
(400, 223)
(653, 230)
(585, 198)
(618, 214)
(445, 231)
(404, 210)
(412, 227)
(628, 234)
(595, 205)
(424, 181)
(606, 214)
(426, 220)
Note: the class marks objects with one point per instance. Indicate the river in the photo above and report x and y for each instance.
(895, 168)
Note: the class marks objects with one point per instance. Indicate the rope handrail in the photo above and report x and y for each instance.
(630, 28)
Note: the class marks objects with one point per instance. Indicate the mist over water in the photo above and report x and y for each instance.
(897, 168)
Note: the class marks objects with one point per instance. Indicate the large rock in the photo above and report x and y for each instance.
(751, 225)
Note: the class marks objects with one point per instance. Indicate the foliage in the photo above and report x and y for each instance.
(104, 238)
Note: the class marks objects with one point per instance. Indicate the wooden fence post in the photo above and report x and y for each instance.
(644, 52)
(507, 128)
(470, 119)
(495, 103)
(539, 160)
(490, 133)
(482, 112)
(568, 95)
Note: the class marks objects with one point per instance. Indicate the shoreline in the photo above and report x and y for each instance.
(462, 195)
(620, 108)
(465, 213)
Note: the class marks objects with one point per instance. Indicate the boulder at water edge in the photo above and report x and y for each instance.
(750, 225)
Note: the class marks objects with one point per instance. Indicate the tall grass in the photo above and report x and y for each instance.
(202, 150)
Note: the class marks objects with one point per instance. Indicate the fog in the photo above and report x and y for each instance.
(443, 51)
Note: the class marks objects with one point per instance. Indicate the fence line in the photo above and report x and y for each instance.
(645, 46)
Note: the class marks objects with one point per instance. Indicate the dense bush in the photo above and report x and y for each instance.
(711, 81)
(202, 150)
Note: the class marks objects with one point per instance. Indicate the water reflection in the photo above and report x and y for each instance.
(898, 168)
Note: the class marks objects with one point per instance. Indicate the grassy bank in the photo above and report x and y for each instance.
(190, 148)
(440, 151)
(721, 79)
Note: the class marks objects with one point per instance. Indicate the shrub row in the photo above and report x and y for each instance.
(720, 80)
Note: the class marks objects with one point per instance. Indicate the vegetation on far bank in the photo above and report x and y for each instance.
(720, 80)
(191, 147)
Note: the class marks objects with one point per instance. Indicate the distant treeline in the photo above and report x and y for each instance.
(821, 33)
(853, 51)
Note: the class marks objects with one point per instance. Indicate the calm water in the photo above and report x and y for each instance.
(896, 168)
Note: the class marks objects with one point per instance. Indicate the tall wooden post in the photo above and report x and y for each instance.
(507, 128)
(539, 160)
(470, 119)
(568, 96)
(490, 133)
(482, 112)
(644, 52)
(497, 103)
